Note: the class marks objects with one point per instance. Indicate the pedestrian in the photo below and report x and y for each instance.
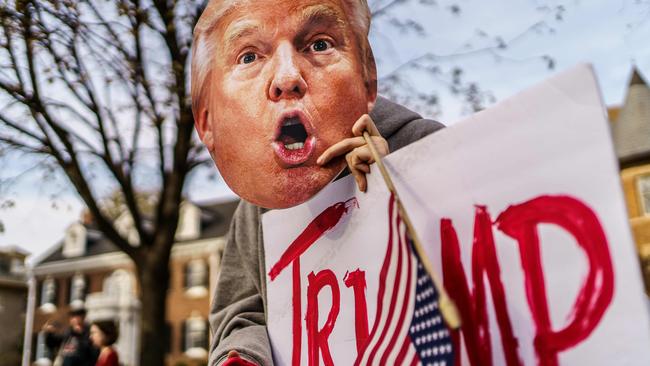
(103, 334)
(72, 347)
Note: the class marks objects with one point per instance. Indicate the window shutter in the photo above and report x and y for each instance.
(183, 336)
(55, 298)
(68, 293)
(38, 287)
(86, 286)
(34, 346)
(206, 336)
(186, 275)
(168, 338)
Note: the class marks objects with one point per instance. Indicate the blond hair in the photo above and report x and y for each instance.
(203, 51)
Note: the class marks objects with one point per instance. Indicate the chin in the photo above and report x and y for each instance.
(288, 187)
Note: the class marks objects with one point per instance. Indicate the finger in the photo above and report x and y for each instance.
(233, 354)
(380, 145)
(359, 177)
(365, 123)
(363, 167)
(363, 154)
(340, 148)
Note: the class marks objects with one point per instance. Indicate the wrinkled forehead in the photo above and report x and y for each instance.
(232, 17)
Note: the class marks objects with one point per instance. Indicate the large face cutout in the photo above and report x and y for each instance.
(287, 82)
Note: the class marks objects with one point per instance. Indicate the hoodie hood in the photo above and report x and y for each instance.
(400, 125)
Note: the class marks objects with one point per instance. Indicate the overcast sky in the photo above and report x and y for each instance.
(611, 35)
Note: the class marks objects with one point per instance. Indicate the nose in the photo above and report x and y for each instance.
(287, 81)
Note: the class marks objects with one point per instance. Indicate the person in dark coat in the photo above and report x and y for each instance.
(73, 347)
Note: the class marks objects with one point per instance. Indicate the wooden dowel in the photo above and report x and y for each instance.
(447, 306)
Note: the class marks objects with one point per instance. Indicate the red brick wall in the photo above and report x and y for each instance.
(180, 307)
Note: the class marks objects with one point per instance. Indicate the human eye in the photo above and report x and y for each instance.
(247, 58)
(320, 45)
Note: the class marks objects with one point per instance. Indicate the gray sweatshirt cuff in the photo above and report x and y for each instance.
(252, 344)
(221, 360)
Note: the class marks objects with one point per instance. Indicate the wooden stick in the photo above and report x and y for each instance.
(447, 306)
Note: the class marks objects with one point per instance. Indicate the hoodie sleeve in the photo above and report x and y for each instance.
(399, 125)
(237, 314)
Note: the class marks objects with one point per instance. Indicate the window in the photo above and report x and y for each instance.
(74, 243)
(195, 342)
(643, 187)
(48, 295)
(5, 265)
(189, 222)
(77, 290)
(17, 266)
(119, 284)
(196, 278)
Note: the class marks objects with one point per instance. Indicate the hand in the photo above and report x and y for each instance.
(48, 327)
(357, 153)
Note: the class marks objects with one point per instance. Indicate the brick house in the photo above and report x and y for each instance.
(630, 125)
(87, 270)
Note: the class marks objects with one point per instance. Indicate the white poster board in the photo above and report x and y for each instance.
(545, 156)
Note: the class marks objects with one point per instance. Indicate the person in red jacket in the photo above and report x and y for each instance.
(103, 334)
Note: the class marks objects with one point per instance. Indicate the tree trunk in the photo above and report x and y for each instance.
(154, 283)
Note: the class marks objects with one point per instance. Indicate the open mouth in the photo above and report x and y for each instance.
(294, 143)
(293, 134)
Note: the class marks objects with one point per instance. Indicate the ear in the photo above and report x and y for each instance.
(372, 94)
(204, 128)
(371, 79)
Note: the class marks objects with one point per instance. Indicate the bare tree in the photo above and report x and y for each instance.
(105, 84)
(396, 17)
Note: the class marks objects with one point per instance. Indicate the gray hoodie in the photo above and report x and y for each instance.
(238, 311)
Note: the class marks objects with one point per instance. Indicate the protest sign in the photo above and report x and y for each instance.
(521, 213)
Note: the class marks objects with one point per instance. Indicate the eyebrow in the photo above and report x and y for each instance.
(320, 15)
(239, 30)
(311, 16)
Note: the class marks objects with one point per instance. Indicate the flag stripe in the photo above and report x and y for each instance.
(383, 280)
(415, 361)
(408, 328)
(403, 350)
(393, 298)
(408, 305)
(396, 303)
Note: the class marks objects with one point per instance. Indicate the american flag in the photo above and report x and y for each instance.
(408, 328)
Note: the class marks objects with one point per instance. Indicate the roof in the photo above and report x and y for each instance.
(13, 250)
(13, 282)
(631, 131)
(215, 218)
(215, 222)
